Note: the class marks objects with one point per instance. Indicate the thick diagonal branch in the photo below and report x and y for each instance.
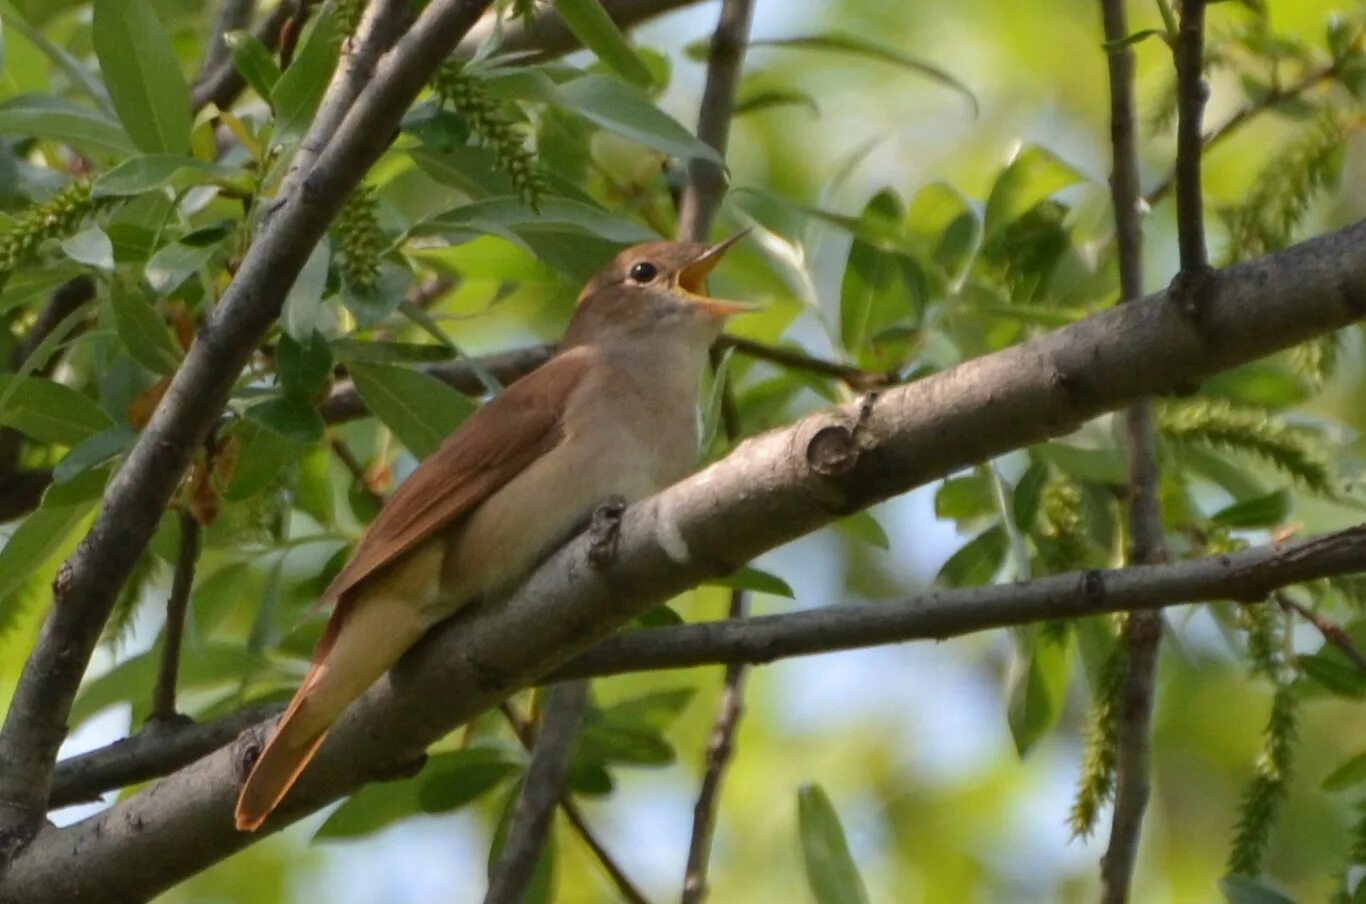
(771, 489)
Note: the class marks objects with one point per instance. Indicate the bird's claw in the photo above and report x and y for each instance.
(603, 531)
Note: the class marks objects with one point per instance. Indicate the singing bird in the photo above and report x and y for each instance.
(612, 414)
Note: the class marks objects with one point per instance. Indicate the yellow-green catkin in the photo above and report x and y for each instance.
(480, 110)
(359, 239)
(55, 218)
(1097, 783)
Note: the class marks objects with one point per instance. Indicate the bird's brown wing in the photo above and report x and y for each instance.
(498, 442)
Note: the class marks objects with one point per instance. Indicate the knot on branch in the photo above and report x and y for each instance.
(1192, 290)
(1093, 588)
(832, 450)
(247, 749)
(604, 532)
(61, 581)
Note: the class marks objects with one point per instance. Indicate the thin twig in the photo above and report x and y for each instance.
(1246, 114)
(221, 86)
(1142, 633)
(1332, 633)
(357, 469)
(232, 15)
(1191, 93)
(855, 378)
(697, 207)
(540, 795)
(177, 605)
(628, 889)
(720, 749)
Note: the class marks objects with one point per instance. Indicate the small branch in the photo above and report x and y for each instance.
(221, 86)
(854, 377)
(549, 37)
(706, 181)
(357, 469)
(720, 749)
(1142, 630)
(233, 15)
(160, 748)
(1191, 93)
(627, 888)
(541, 791)
(1246, 114)
(1248, 575)
(177, 605)
(1332, 633)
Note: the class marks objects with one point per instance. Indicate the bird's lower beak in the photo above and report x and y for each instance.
(692, 279)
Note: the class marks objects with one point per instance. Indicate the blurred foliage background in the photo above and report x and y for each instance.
(926, 183)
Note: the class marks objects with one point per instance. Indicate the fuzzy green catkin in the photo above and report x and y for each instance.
(55, 218)
(1217, 422)
(359, 239)
(1097, 783)
(1262, 799)
(480, 110)
(1062, 530)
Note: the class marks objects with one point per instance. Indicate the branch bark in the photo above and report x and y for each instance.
(540, 795)
(1142, 633)
(770, 490)
(1191, 93)
(35, 724)
(177, 606)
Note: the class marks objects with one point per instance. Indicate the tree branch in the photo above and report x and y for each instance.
(232, 15)
(158, 749)
(771, 489)
(1143, 629)
(221, 86)
(1332, 633)
(625, 886)
(35, 724)
(177, 605)
(1191, 93)
(540, 795)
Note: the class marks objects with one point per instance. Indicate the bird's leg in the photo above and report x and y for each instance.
(604, 530)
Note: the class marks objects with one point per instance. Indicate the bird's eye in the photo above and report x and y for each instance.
(643, 272)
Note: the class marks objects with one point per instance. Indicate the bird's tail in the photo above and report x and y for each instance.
(359, 645)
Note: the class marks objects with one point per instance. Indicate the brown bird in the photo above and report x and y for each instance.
(613, 414)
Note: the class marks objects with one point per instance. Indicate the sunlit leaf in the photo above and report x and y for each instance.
(830, 870)
(1038, 687)
(591, 24)
(1034, 175)
(614, 105)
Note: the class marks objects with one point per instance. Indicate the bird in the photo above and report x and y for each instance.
(611, 416)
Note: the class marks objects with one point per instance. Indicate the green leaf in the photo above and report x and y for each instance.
(297, 422)
(591, 24)
(1248, 890)
(862, 526)
(756, 581)
(421, 410)
(202, 666)
(1348, 775)
(143, 75)
(977, 561)
(1262, 511)
(50, 117)
(508, 217)
(1105, 466)
(304, 301)
(79, 73)
(613, 105)
(90, 246)
(876, 288)
(175, 263)
(1025, 500)
(656, 710)
(758, 101)
(49, 412)
(830, 869)
(370, 809)
(1331, 670)
(261, 456)
(1132, 39)
(253, 61)
(32, 283)
(963, 498)
(303, 367)
(144, 333)
(457, 779)
(1038, 687)
(94, 452)
(300, 89)
(852, 44)
(1033, 176)
(43, 532)
(148, 172)
(356, 351)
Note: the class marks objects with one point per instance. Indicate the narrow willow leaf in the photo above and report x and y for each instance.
(49, 412)
(830, 870)
(421, 410)
(300, 89)
(977, 561)
(144, 78)
(295, 421)
(138, 175)
(253, 61)
(44, 531)
(1038, 687)
(591, 24)
(94, 452)
(614, 105)
(46, 117)
(145, 334)
(1034, 175)
(1348, 775)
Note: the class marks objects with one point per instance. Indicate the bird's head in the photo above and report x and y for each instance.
(658, 288)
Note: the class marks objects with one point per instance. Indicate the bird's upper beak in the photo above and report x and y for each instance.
(692, 279)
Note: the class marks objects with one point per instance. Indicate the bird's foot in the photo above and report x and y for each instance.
(604, 530)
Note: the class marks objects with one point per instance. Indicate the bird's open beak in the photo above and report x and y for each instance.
(692, 279)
